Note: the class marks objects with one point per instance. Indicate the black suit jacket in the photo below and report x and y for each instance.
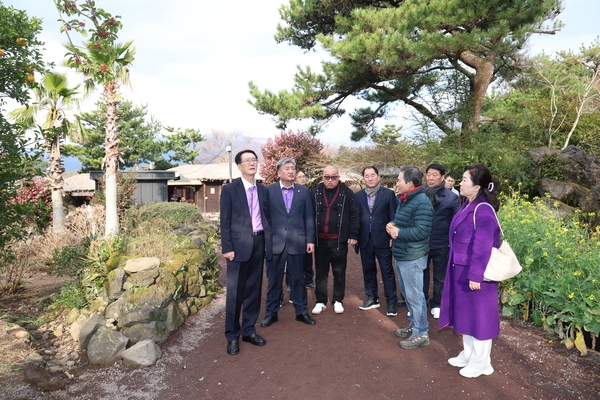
(384, 211)
(236, 222)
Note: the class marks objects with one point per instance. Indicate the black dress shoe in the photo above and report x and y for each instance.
(268, 321)
(255, 339)
(306, 319)
(233, 347)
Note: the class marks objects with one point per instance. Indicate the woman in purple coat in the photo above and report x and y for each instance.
(470, 304)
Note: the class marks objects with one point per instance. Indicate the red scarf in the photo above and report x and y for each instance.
(328, 204)
(403, 196)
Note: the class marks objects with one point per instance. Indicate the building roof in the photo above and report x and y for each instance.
(207, 172)
(80, 185)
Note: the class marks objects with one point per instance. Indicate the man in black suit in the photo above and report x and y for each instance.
(245, 233)
(377, 207)
(293, 236)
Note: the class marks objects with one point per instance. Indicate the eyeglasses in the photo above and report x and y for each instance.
(250, 160)
(330, 178)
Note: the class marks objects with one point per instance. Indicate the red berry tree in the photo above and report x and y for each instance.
(301, 146)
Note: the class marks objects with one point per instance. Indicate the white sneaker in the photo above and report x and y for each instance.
(338, 307)
(469, 372)
(319, 307)
(457, 362)
(435, 312)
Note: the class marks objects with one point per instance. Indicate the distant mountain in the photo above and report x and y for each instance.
(213, 148)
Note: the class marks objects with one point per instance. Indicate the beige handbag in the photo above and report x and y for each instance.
(503, 262)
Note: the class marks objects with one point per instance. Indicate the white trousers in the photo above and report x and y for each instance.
(476, 353)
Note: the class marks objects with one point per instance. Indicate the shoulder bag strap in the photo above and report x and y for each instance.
(495, 215)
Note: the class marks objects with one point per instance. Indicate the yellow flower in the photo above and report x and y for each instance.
(592, 297)
(577, 273)
(571, 295)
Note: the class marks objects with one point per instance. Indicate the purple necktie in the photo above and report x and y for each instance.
(288, 193)
(254, 209)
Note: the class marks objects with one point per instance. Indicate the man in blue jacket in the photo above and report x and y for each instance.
(377, 207)
(410, 232)
(445, 205)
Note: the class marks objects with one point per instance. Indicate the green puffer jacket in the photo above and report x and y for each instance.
(414, 217)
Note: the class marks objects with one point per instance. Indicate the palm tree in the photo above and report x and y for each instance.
(108, 65)
(55, 97)
(103, 61)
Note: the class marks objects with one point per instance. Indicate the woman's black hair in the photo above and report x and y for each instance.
(481, 175)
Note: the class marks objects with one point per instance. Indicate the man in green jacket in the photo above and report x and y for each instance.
(410, 233)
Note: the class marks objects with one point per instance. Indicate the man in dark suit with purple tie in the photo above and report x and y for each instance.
(293, 239)
(245, 234)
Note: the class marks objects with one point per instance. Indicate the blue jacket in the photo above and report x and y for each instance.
(414, 217)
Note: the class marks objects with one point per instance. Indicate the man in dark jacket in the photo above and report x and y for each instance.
(445, 205)
(293, 238)
(245, 242)
(377, 207)
(337, 220)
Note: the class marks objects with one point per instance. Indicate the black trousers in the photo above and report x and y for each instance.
(330, 254)
(293, 264)
(309, 274)
(368, 254)
(244, 284)
(438, 260)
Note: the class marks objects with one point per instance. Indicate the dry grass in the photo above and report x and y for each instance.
(81, 223)
(154, 239)
(13, 352)
(35, 253)
(12, 274)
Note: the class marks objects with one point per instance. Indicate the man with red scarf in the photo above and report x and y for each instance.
(337, 219)
(410, 232)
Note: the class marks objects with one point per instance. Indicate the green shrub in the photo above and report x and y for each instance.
(72, 295)
(69, 260)
(559, 287)
(174, 215)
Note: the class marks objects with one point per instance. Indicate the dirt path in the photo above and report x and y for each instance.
(349, 356)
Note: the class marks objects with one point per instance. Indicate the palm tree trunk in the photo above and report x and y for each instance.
(55, 174)
(112, 157)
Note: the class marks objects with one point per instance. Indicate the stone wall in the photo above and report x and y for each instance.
(143, 302)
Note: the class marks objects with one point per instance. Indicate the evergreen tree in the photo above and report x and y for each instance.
(436, 56)
(141, 141)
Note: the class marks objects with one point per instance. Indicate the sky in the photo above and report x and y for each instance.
(195, 58)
